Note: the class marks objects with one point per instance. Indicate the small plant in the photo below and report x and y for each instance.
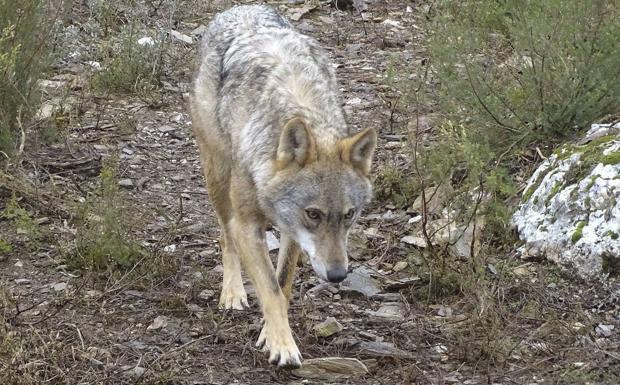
(5, 247)
(104, 238)
(105, 241)
(132, 62)
(23, 222)
(24, 53)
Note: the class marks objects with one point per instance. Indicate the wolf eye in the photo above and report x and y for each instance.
(313, 214)
(349, 214)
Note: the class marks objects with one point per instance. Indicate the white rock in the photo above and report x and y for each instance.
(60, 286)
(573, 221)
(159, 322)
(181, 37)
(272, 241)
(147, 40)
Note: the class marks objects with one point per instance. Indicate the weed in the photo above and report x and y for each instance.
(24, 54)
(130, 64)
(5, 247)
(23, 221)
(104, 233)
(105, 241)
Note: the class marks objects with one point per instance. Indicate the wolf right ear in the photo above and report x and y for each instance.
(358, 149)
(296, 144)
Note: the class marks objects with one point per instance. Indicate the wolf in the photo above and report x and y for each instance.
(276, 150)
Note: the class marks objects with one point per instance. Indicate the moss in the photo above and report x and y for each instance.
(590, 156)
(554, 190)
(578, 233)
(612, 158)
(611, 234)
(543, 228)
(530, 191)
(592, 181)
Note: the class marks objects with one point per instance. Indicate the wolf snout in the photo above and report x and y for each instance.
(336, 274)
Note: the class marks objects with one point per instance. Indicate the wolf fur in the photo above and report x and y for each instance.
(276, 149)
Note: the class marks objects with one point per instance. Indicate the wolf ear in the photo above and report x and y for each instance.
(358, 149)
(296, 144)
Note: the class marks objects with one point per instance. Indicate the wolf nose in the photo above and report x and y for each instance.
(336, 274)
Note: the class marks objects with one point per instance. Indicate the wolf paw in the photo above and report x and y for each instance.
(281, 347)
(233, 298)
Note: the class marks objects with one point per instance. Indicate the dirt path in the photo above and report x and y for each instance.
(65, 328)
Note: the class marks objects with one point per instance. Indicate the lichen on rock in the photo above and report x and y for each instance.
(570, 210)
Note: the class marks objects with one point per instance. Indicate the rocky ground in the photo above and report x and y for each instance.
(532, 324)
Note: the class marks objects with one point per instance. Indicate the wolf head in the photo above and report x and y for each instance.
(317, 193)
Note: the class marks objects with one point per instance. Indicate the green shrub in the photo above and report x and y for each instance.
(24, 53)
(104, 238)
(23, 222)
(127, 65)
(513, 75)
(513, 68)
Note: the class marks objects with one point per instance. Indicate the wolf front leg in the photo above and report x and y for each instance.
(276, 335)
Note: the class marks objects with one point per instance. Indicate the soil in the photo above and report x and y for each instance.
(66, 325)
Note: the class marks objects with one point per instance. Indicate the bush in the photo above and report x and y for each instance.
(513, 75)
(513, 68)
(127, 65)
(24, 50)
(104, 241)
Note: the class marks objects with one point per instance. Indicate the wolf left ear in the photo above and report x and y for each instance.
(296, 144)
(358, 149)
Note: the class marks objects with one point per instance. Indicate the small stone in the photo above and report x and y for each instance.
(19, 263)
(388, 312)
(22, 281)
(399, 266)
(170, 248)
(327, 328)
(181, 37)
(177, 177)
(159, 322)
(206, 294)
(60, 286)
(604, 330)
(166, 129)
(331, 368)
(272, 241)
(393, 145)
(146, 41)
(387, 297)
(372, 232)
(445, 311)
(381, 349)
(361, 283)
(126, 183)
(415, 219)
(414, 240)
(42, 220)
(200, 30)
(206, 253)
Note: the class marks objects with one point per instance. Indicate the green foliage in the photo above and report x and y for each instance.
(5, 247)
(128, 66)
(513, 68)
(23, 221)
(512, 74)
(24, 51)
(390, 185)
(104, 240)
(578, 233)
